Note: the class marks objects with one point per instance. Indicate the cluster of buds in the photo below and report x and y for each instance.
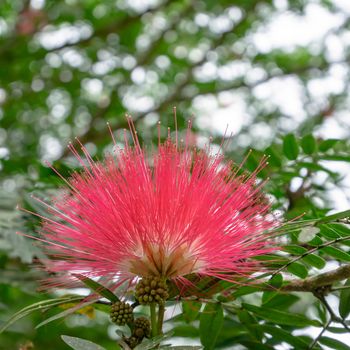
(151, 289)
(141, 329)
(121, 313)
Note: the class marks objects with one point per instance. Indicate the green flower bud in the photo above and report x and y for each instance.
(121, 313)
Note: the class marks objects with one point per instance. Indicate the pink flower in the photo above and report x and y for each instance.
(171, 212)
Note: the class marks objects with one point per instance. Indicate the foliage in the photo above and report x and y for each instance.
(68, 67)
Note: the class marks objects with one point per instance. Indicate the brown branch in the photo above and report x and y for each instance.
(311, 284)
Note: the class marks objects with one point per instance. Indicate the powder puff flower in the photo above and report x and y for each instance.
(166, 213)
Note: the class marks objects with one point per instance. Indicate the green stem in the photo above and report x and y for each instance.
(153, 319)
(161, 318)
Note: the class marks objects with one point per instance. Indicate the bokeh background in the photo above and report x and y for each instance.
(259, 69)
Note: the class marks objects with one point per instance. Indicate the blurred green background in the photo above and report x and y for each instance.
(265, 68)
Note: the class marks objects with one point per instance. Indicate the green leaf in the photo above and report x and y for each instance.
(248, 321)
(275, 156)
(267, 296)
(298, 270)
(80, 344)
(180, 347)
(154, 342)
(333, 343)
(281, 317)
(66, 312)
(295, 249)
(245, 290)
(191, 310)
(308, 144)
(316, 241)
(336, 230)
(276, 282)
(328, 233)
(185, 330)
(314, 260)
(255, 345)
(321, 312)
(337, 330)
(98, 288)
(281, 301)
(341, 229)
(210, 324)
(42, 306)
(337, 157)
(282, 335)
(336, 253)
(290, 147)
(334, 217)
(327, 144)
(344, 301)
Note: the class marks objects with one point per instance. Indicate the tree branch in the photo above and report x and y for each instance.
(311, 284)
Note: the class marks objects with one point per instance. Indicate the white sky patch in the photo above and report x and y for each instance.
(335, 48)
(288, 30)
(138, 5)
(37, 4)
(339, 196)
(332, 129)
(138, 104)
(50, 147)
(225, 114)
(53, 37)
(343, 4)
(284, 92)
(138, 75)
(323, 86)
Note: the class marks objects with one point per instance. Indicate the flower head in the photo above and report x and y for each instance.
(167, 213)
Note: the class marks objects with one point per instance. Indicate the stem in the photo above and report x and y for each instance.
(333, 316)
(315, 341)
(339, 288)
(337, 240)
(161, 311)
(153, 319)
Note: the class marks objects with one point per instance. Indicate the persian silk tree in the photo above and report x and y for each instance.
(153, 219)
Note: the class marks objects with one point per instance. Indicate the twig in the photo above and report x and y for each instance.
(337, 240)
(315, 341)
(334, 317)
(339, 288)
